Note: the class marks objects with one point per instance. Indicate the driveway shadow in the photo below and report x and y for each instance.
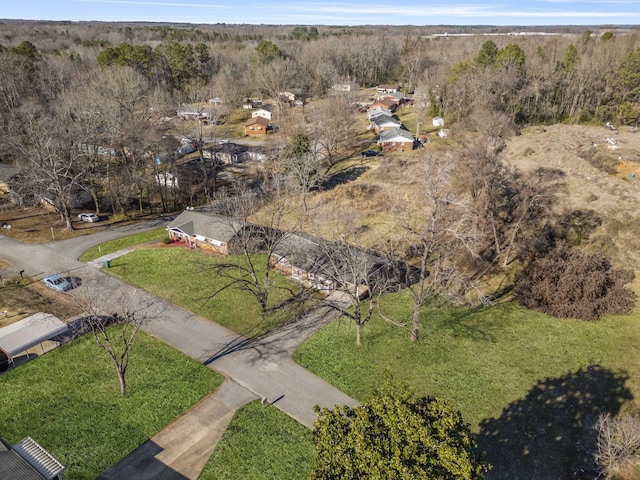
(549, 434)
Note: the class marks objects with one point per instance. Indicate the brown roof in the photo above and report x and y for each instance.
(259, 120)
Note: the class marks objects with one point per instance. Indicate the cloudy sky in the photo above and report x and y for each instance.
(356, 12)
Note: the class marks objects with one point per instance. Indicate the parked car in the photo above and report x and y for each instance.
(88, 217)
(371, 153)
(56, 282)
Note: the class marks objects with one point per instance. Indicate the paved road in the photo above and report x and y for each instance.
(259, 368)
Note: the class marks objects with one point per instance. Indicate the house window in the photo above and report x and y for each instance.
(251, 128)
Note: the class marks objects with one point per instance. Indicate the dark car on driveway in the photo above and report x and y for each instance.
(371, 153)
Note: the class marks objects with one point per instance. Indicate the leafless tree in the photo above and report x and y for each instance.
(333, 127)
(259, 222)
(114, 317)
(618, 443)
(437, 234)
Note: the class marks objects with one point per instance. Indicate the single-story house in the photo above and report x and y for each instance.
(379, 110)
(438, 122)
(265, 111)
(396, 140)
(257, 126)
(344, 87)
(324, 265)
(196, 112)
(27, 460)
(386, 103)
(399, 97)
(381, 122)
(203, 230)
(387, 89)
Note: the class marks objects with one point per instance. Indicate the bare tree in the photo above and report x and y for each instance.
(437, 234)
(618, 443)
(114, 318)
(257, 220)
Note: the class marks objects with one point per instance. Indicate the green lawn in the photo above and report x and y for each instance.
(516, 375)
(120, 243)
(185, 277)
(69, 401)
(261, 443)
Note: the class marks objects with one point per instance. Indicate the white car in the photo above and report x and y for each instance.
(88, 217)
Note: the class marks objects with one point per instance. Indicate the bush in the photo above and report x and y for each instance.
(569, 283)
(618, 443)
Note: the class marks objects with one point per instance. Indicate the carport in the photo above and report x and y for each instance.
(26, 333)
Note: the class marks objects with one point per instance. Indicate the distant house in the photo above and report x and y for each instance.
(396, 140)
(196, 112)
(386, 103)
(438, 122)
(216, 101)
(398, 98)
(387, 89)
(27, 460)
(381, 122)
(344, 87)
(257, 126)
(265, 111)
(203, 230)
(378, 110)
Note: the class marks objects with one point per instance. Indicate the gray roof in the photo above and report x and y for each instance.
(392, 134)
(208, 225)
(327, 259)
(382, 120)
(29, 332)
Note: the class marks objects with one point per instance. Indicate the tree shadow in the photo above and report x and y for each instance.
(549, 434)
(343, 176)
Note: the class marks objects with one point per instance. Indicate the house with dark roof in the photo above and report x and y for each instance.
(28, 461)
(326, 266)
(379, 110)
(265, 111)
(203, 230)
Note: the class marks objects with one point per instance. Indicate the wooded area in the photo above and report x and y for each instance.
(98, 109)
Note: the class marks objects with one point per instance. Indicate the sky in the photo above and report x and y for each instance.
(357, 12)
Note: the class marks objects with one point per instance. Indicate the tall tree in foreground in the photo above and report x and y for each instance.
(114, 318)
(395, 438)
(437, 234)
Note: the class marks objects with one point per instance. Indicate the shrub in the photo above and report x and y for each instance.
(569, 283)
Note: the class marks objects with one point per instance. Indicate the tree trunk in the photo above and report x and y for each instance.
(415, 320)
(123, 382)
(358, 336)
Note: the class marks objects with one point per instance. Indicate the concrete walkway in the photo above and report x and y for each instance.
(259, 367)
(182, 449)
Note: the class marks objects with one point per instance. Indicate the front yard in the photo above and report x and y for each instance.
(69, 401)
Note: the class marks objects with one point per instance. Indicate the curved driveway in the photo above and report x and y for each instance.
(263, 366)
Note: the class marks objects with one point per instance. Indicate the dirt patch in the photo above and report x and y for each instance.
(21, 298)
(596, 177)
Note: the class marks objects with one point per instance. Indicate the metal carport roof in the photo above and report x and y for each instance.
(29, 332)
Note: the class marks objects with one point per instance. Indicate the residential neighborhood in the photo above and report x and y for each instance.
(234, 250)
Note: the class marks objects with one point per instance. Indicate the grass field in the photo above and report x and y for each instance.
(185, 277)
(261, 443)
(120, 243)
(69, 401)
(525, 381)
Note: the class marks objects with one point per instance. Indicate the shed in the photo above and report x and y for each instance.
(438, 122)
(28, 332)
